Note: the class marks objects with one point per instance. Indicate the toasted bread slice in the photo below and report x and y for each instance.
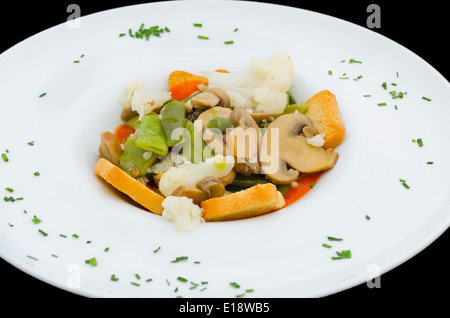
(254, 201)
(323, 110)
(123, 182)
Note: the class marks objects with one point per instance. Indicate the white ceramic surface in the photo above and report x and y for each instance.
(277, 255)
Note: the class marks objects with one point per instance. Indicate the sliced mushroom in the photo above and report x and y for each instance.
(244, 142)
(210, 98)
(204, 100)
(110, 148)
(128, 113)
(211, 137)
(228, 178)
(224, 99)
(283, 146)
(263, 117)
(212, 187)
(197, 195)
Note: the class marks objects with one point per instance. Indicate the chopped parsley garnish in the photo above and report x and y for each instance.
(180, 258)
(42, 232)
(202, 37)
(367, 217)
(156, 251)
(429, 162)
(114, 278)
(198, 25)
(9, 189)
(354, 61)
(403, 182)
(5, 157)
(426, 98)
(182, 279)
(331, 238)
(35, 220)
(326, 245)
(235, 285)
(43, 94)
(91, 261)
(31, 143)
(37, 173)
(229, 42)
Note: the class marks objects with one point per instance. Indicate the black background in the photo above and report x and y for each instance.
(422, 27)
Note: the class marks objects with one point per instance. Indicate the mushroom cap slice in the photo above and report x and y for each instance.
(224, 99)
(283, 146)
(212, 187)
(210, 136)
(197, 195)
(244, 142)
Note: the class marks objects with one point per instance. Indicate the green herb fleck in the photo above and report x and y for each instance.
(182, 279)
(180, 258)
(42, 232)
(31, 143)
(91, 261)
(331, 238)
(5, 157)
(235, 285)
(326, 245)
(9, 189)
(114, 278)
(198, 25)
(403, 182)
(35, 220)
(426, 98)
(202, 37)
(43, 94)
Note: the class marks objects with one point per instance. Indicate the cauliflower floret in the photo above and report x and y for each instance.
(143, 99)
(189, 174)
(263, 88)
(317, 140)
(185, 215)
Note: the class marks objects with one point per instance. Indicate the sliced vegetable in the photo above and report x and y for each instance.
(173, 115)
(301, 108)
(182, 84)
(110, 147)
(122, 132)
(151, 135)
(133, 161)
(220, 123)
(241, 182)
(196, 152)
(134, 122)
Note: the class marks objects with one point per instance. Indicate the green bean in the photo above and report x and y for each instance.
(151, 135)
(132, 159)
(242, 182)
(134, 122)
(172, 117)
(301, 108)
(220, 123)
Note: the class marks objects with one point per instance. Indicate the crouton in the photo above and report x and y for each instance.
(251, 202)
(323, 110)
(123, 182)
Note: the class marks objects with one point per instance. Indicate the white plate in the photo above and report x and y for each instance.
(277, 255)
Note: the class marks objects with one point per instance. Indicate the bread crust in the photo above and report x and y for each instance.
(251, 202)
(323, 110)
(123, 182)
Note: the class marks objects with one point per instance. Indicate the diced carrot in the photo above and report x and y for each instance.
(182, 84)
(122, 132)
(221, 70)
